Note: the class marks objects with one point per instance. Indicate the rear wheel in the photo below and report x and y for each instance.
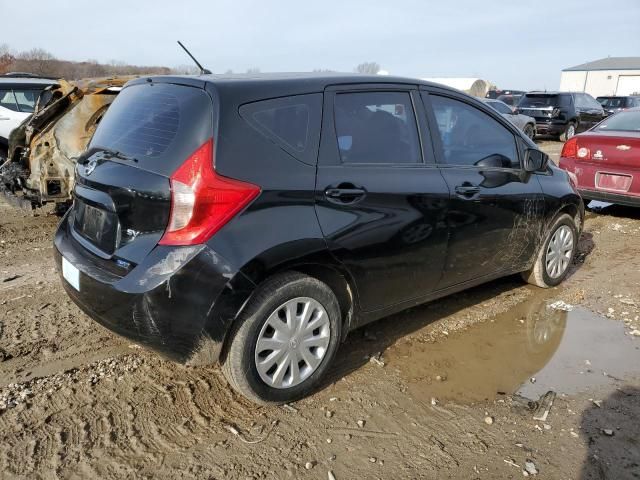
(555, 255)
(569, 132)
(284, 340)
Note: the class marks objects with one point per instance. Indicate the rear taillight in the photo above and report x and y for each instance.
(555, 113)
(570, 148)
(203, 201)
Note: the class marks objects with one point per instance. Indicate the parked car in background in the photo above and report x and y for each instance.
(43, 148)
(495, 93)
(615, 104)
(18, 97)
(256, 220)
(562, 114)
(604, 162)
(523, 122)
(512, 99)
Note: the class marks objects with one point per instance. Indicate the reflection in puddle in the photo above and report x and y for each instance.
(566, 352)
(598, 205)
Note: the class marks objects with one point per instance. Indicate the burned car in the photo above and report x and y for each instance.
(43, 149)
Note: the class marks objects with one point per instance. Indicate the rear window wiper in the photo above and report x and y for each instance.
(111, 153)
(103, 153)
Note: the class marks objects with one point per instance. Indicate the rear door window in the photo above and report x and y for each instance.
(470, 137)
(292, 123)
(158, 124)
(376, 127)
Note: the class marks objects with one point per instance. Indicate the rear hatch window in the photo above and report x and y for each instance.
(158, 124)
(544, 100)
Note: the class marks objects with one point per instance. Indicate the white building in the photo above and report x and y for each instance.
(607, 76)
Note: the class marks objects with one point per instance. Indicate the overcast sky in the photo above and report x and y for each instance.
(515, 44)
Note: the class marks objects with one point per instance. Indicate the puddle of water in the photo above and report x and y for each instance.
(598, 205)
(567, 352)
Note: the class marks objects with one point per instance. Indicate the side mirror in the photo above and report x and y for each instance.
(535, 160)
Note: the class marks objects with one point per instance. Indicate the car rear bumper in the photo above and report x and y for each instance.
(180, 301)
(617, 198)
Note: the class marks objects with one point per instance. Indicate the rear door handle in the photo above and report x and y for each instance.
(467, 191)
(345, 194)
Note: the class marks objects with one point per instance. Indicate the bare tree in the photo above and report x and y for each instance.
(6, 58)
(186, 70)
(41, 62)
(253, 70)
(368, 67)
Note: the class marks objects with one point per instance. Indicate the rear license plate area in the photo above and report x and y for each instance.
(98, 226)
(613, 182)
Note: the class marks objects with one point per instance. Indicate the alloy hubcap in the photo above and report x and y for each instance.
(571, 131)
(292, 343)
(559, 252)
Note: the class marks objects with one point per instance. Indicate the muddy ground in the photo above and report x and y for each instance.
(452, 393)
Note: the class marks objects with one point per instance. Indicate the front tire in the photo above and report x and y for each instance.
(555, 255)
(284, 340)
(569, 132)
(529, 131)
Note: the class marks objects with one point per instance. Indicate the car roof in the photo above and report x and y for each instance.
(617, 96)
(17, 82)
(276, 84)
(550, 93)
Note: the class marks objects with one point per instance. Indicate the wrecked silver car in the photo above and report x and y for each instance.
(43, 149)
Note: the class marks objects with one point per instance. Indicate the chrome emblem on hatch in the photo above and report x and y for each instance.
(623, 147)
(598, 155)
(90, 167)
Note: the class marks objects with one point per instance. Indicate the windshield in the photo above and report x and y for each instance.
(542, 100)
(622, 122)
(612, 102)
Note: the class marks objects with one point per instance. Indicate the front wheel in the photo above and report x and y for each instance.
(569, 132)
(529, 131)
(284, 340)
(555, 255)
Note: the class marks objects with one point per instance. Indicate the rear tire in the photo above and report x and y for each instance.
(304, 300)
(555, 255)
(569, 132)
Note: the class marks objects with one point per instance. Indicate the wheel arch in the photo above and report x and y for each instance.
(321, 266)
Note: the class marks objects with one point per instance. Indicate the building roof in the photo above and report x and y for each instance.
(609, 63)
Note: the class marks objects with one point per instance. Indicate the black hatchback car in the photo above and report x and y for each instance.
(255, 221)
(562, 114)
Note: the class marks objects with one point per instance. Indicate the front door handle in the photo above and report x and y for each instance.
(345, 194)
(467, 191)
